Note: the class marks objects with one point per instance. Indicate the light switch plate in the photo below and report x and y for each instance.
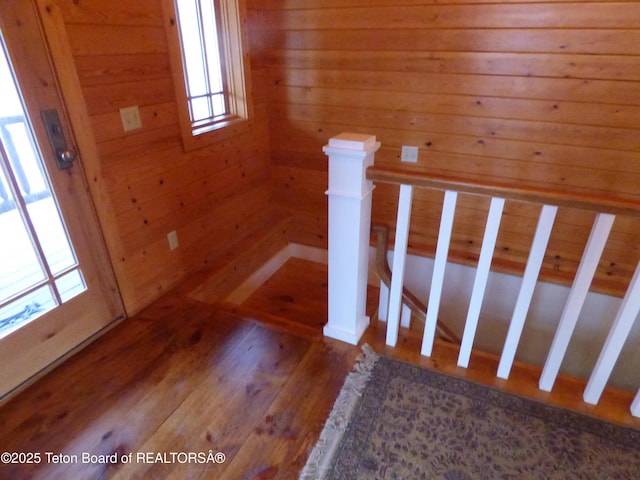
(130, 118)
(409, 154)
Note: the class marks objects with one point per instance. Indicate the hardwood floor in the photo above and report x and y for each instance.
(185, 376)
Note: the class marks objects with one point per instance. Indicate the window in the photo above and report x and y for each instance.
(209, 69)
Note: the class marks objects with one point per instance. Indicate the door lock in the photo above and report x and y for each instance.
(63, 154)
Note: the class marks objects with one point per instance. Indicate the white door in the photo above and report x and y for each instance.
(57, 289)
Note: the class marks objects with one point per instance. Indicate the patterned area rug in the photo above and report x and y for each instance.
(397, 421)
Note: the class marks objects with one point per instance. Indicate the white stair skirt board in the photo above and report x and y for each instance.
(437, 279)
(399, 260)
(480, 283)
(271, 266)
(577, 295)
(618, 334)
(531, 272)
(305, 252)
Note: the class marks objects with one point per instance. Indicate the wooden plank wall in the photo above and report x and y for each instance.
(213, 197)
(525, 92)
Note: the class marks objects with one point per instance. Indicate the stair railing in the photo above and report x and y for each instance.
(411, 305)
(349, 226)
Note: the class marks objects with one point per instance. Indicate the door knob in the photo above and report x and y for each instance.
(66, 156)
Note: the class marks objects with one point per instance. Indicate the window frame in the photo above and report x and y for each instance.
(231, 15)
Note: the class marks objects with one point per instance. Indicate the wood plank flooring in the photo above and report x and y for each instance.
(186, 377)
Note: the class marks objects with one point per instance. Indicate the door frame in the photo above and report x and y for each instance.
(63, 64)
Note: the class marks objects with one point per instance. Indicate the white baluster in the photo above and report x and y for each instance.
(531, 272)
(399, 259)
(635, 406)
(437, 279)
(383, 302)
(577, 295)
(619, 332)
(405, 319)
(480, 282)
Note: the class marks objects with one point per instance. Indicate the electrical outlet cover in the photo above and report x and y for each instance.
(409, 154)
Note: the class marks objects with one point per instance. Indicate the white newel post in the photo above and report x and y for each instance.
(349, 225)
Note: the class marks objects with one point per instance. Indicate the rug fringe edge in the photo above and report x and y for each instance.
(320, 458)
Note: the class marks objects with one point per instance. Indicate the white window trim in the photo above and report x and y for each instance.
(236, 58)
